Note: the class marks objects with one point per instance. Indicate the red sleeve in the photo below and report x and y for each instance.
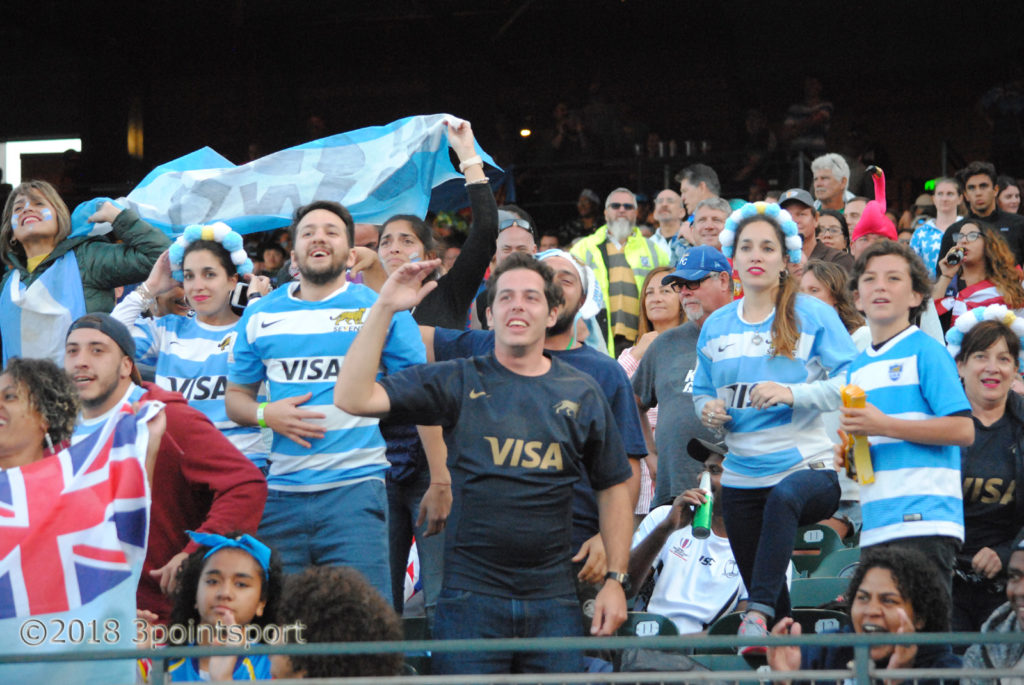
(209, 461)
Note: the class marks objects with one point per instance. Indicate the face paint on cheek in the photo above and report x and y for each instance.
(14, 220)
(47, 214)
(414, 257)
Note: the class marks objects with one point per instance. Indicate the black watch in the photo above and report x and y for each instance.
(621, 578)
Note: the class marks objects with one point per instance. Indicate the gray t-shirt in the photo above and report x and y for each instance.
(665, 379)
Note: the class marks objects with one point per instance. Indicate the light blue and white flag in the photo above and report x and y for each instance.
(376, 172)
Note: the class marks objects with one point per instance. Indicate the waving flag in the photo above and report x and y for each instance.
(376, 172)
(73, 530)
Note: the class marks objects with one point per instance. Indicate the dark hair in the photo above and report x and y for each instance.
(984, 335)
(518, 260)
(842, 223)
(1000, 264)
(833, 278)
(974, 169)
(8, 245)
(695, 174)
(919, 278)
(217, 250)
(918, 581)
(50, 392)
(276, 247)
(786, 326)
(334, 208)
(420, 227)
(184, 609)
(337, 604)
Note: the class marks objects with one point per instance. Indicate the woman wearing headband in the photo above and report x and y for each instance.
(768, 365)
(190, 353)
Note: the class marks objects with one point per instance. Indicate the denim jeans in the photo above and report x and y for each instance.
(403, 508)
(463, 615)
(762, 523)
(343, 526)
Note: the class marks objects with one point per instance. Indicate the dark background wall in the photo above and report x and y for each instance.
(230, 73)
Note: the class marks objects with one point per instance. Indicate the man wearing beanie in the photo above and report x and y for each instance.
(200, 482)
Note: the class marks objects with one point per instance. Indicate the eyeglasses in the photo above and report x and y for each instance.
(830, 230)
(521, 223)
(969, 237)
(621, 205)
(680, 285)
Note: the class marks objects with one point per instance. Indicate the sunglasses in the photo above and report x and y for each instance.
(521, 223)
(679, 286)
(621, 205)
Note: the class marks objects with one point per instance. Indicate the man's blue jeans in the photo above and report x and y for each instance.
(343, 526)
(464, 615)
(762, 523)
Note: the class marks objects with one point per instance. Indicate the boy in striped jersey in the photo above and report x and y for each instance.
(916, 414)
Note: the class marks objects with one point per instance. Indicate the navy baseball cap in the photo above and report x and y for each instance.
(697, 263)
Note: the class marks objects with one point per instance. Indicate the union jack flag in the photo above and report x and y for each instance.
(74, 525)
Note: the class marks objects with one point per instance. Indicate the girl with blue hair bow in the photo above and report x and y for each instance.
(232, 580)
(768, 365)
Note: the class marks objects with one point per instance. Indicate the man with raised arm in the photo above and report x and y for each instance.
(521, 427)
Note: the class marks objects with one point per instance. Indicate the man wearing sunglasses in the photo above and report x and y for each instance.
(620, 257)
(664, 379)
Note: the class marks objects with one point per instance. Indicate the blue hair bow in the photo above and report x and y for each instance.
(247, 543)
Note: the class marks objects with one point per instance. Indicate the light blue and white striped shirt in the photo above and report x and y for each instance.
(917, 489)
(766, 445)
(299, 347)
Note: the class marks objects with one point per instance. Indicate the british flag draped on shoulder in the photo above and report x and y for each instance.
(73, 530)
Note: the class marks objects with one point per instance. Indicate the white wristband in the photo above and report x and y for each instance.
(472, 161)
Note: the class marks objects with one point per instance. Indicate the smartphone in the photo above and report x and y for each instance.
(240, 297)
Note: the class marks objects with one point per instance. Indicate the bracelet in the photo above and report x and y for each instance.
(147, 297)
(259, 415)
(478, 182)
(472, 161)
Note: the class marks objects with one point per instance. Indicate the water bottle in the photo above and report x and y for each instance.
(702, 519)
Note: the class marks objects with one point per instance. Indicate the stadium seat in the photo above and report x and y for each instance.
(814, 592)
(646, 624)
(812, 544)
(841, 563)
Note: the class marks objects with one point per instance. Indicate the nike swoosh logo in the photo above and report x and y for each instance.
(473, 394)
(721, 348)
(264, 324)
(174, 342)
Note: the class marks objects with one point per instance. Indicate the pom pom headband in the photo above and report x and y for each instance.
(794, 244)
(993, 312)
(218, 233)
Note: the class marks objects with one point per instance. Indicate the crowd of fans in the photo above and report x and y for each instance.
(522, 401)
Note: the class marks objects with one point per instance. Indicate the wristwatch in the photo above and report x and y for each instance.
(620, 578)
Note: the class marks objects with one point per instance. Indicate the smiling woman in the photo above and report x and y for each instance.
(894, 590)
(988, 365)
(78, 274)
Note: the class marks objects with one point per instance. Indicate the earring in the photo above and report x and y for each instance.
(49, 443)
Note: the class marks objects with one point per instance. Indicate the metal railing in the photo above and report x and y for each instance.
(862, 669)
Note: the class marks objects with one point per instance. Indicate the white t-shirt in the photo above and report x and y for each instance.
(698, 578)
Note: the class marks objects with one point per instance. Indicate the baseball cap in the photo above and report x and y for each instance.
(113, 329)
(702, 449)
(699, 262)
(796, 195)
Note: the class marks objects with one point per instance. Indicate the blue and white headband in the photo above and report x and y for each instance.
(794, 243)
(219, 233)
(993, 312)
(246, 543)
(592, 291)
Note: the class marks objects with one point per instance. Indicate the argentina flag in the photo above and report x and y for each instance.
(375, 172)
